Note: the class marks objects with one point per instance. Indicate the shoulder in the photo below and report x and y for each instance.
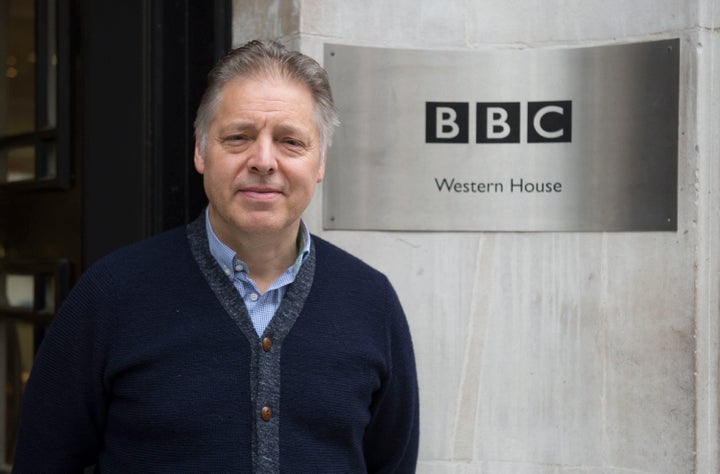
(159, 246)
(330, 255)
(151, 269)
(145, 256)
(347, 276)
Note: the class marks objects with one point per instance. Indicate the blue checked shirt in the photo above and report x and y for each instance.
(261, 307)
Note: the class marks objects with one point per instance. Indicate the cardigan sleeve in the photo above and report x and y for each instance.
(63, 404)
(391, 439)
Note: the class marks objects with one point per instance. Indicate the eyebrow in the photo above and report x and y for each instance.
(235, 127)
(280, 129)
(286, 129)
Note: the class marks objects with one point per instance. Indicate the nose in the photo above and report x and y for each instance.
(262, 157)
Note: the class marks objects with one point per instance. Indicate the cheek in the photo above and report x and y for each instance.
(219, 171)
(215, 181)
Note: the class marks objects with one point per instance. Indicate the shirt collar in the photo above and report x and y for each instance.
(225, 256)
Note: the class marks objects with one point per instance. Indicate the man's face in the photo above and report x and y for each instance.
(262, 158)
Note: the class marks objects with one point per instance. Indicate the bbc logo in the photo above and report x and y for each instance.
(498, 122)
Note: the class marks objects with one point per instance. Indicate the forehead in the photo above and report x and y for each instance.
(271, 96)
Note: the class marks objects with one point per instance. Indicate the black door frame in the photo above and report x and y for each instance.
(131, 74)
(144, 70)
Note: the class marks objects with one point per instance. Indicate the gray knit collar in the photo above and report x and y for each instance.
(231, 300)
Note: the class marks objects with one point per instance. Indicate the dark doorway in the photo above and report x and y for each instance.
(96, 146)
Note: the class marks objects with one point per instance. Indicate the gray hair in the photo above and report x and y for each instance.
(262, 59)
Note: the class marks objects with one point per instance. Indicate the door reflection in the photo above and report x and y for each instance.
(20, 340)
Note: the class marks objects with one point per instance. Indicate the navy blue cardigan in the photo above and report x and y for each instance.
(152, 365)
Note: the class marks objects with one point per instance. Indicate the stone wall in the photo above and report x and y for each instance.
(551, 352)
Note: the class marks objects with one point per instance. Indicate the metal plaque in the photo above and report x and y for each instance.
(574, 139)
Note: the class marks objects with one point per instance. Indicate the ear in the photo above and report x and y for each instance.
(321, 168)
(199, 159)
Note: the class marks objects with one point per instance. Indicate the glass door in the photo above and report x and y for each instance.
(35, 187)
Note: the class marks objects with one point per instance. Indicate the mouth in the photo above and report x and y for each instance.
(260, 193)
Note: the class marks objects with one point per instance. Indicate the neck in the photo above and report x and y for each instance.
(267, 258)
(267, 255)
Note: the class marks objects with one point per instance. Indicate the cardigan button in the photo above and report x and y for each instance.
(266, 413)
(267, 344)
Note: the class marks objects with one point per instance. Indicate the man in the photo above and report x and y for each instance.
(241, 343)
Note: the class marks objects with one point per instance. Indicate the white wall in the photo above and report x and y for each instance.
(551, 352)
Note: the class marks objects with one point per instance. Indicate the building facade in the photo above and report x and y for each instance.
(537, 352)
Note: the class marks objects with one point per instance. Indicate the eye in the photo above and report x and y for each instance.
(236, 138)
(294, 144)
(235, 141)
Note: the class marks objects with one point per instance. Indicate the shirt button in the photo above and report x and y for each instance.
(266, 413)
(227, 271)
(267, 344)
(253, 297)
(238, 268)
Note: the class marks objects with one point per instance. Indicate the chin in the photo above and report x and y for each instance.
(260, 227)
